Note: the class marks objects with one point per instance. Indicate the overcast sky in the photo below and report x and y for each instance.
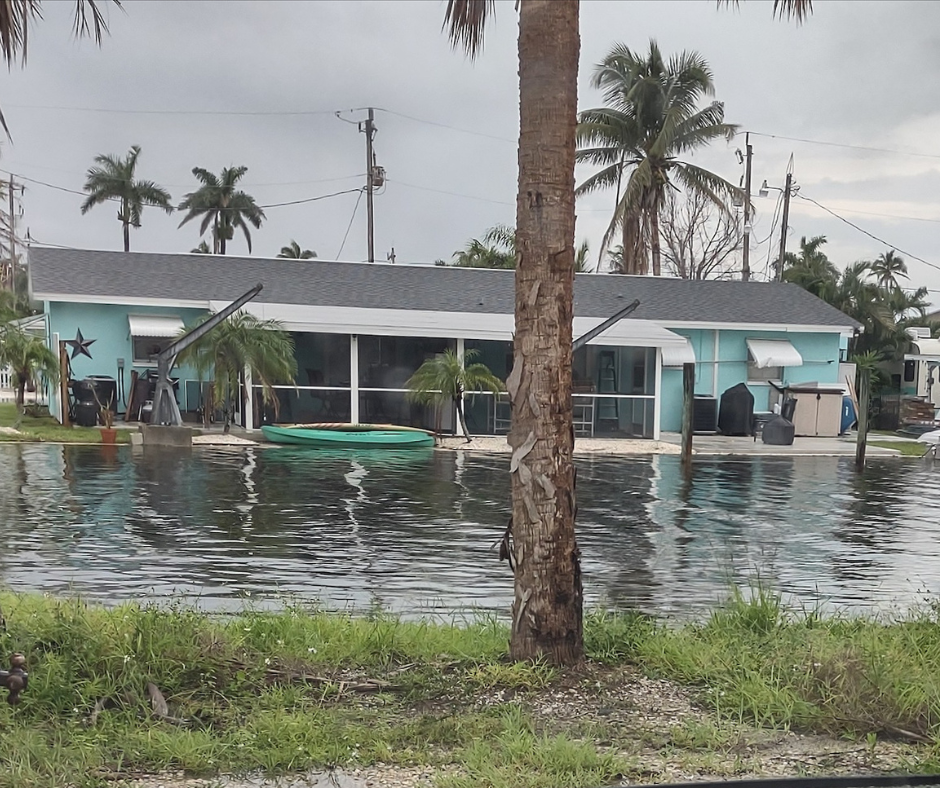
(863, 74)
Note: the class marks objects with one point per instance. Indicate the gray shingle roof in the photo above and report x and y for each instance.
(194, 277)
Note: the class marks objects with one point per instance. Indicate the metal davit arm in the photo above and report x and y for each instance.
(165, 408)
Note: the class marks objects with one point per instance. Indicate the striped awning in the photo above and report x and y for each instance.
(678, 355)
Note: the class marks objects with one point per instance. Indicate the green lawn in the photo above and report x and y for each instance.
(289, 691)
(906, 448)
(47, 429)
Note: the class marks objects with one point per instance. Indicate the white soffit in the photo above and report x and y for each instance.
(773, 353)
(452, 325)
(154, 325)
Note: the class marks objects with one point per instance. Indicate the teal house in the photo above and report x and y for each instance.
(361, 330)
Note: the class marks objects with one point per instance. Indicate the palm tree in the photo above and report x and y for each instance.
(28, 358)
(242, 342)
(112, 179)
(652, 118)
(222, 207)
(887, 268)
(18, 16)
(294, 252)
(540, 541)
(446, 378)
(497, 249)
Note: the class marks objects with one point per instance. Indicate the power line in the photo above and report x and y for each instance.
(865, 232)
(452, 194)
(209, 112)
(310, 199)
(846, 145)
(349, 226)
(447, 126)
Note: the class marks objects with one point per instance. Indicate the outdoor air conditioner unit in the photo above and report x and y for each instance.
(918, 332)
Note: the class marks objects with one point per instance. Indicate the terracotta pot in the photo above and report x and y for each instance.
(108, 435)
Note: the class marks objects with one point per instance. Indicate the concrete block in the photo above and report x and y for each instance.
(158, 435)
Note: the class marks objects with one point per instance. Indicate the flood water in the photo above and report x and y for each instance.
(415, 532)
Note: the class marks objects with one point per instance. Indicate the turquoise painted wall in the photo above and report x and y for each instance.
(817, 350)
(107, 325)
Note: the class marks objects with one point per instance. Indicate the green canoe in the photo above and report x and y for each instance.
(349, 435)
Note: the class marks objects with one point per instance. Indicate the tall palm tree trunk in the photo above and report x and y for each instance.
(126, 221)
(21, 381)
(547, 611)
(633, 252)
(655, 251)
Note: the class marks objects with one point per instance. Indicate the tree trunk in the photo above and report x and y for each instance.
(655, 251)
(127, 237)
(634, 250)
(463, 422)
(547, 611)
(20, 390)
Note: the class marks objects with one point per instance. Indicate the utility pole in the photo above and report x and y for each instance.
(746, 250)
(12, 239)
(788, 186)
(368, 126)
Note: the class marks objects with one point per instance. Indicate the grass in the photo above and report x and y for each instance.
(906, 448)
(300, 689)
(47, 429)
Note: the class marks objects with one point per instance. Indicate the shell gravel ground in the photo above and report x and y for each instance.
(654, 725)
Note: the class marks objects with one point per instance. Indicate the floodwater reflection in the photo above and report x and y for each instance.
(415, 531)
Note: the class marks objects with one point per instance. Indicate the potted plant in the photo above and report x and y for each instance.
(106, 417)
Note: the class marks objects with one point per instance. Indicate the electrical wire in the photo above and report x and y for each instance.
(847, 146)
(865, 232)
(309, 199)
(447, 126)
(452, 194)
(349, 226)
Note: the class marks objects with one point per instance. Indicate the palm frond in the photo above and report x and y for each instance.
(465, 21)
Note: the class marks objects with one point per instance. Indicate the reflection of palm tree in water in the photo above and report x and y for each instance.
(354, 479)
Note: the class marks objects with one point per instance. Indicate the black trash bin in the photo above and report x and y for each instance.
(736, 411)
(105, 387)
(778, 432)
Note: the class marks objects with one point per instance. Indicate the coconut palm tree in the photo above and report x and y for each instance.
(17, 17)
(29, 359)
(242, 342)
(540, 541)
(112, 179)
(887, 268)
(497, 249)
(223, 207)
(446, 378)
(294, 252)
(653, 118)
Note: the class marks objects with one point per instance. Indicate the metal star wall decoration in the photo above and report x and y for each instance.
(80, 345)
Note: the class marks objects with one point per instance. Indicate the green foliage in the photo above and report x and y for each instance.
(243, 341)
(652, 118)
(293, 251)
(446, 378)
(112, 179)
(222, 206)
(29, 359)
(866, 291)
(497, 249)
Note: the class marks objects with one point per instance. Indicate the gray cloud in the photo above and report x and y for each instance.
(861, 73)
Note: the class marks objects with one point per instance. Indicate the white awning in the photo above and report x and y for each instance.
(678, 355)
(925, 350)
(773, 353)
(154, 325)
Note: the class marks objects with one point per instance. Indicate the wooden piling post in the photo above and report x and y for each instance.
(64, 383)
(864, 394)
(688, 398)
